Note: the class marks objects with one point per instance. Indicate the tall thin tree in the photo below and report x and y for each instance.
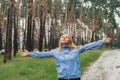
(15, 41)
(33, 24)
(29, 28)
(42, 25)
(1, 21)
(8, 45)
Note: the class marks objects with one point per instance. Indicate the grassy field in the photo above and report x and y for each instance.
(26, 68)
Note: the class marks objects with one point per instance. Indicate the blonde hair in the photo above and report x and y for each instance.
(71, 45)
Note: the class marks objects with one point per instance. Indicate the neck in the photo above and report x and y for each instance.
(65, 46)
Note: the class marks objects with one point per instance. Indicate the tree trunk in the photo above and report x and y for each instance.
(32, 38)
(92, 38)
(8, 45)
(1, 21)
(118, 41)
(18, 23)
(33, 26)
(29, 28)
(0, 37)
(15, 33)
(45, 41)
(42, 25)
(51, 38)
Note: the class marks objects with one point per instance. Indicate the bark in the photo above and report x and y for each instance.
(0, 37)
(18, 23)
(8, 45)
(33, 26)
(45, 41)
(118, 41)
(51, 38)
(29, 28)
(42, 25)
(15, 34)
(1, 21)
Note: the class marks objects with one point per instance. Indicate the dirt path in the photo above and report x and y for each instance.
(107, 67)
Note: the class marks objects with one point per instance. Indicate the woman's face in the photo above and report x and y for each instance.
(64, 39)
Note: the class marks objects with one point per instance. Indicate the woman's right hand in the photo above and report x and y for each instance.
(24, 54)
(107, 40)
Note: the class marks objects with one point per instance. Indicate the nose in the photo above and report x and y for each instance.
(64, 38)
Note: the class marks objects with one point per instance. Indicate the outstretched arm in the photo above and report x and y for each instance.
(37, 54)
(94, 45)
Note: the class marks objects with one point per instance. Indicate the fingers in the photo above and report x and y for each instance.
(22, 53)
(108, 40)
(25, 53)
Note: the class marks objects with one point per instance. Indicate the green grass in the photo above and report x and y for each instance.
(26, 68)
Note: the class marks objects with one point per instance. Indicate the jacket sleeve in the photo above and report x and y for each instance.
(91, 46)
(47, 54)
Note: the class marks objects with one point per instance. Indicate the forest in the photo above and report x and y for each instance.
(38, 24)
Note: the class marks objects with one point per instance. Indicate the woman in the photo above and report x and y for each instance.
(66, 56)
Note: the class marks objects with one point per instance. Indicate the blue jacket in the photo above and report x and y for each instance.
(68, 61)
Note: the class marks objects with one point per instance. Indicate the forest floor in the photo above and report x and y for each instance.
(107, 67)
